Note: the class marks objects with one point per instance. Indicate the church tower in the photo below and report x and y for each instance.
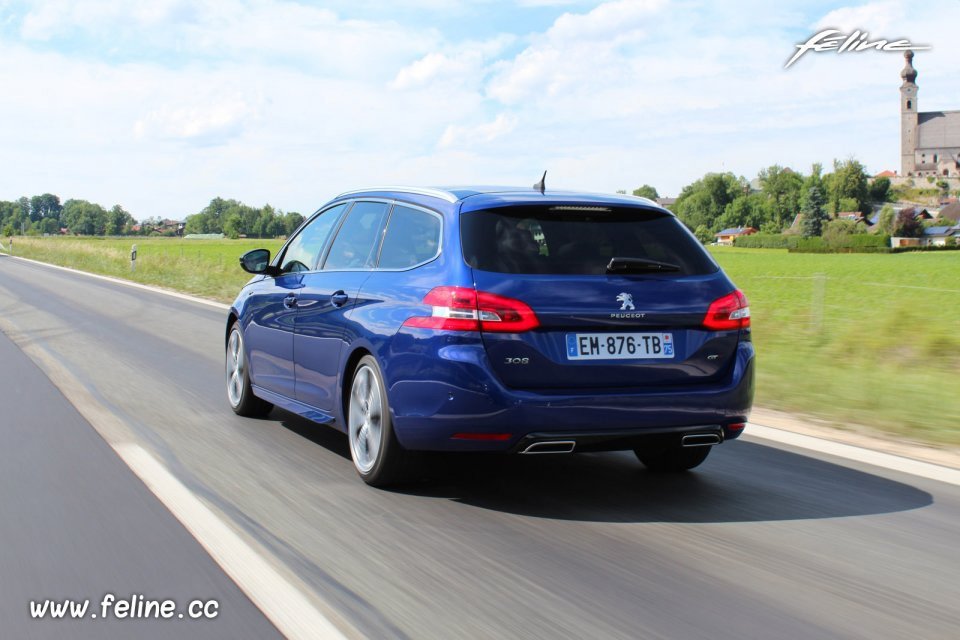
(908, 116)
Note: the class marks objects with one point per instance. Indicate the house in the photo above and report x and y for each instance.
(937, 236)
(666, 203)
(904, 242)
(727, 236)
(854, 216)
(886, 174)
(950, 212)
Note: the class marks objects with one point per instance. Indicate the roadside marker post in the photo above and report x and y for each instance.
(133, 258)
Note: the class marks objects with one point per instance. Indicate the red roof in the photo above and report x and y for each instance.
(886, 174)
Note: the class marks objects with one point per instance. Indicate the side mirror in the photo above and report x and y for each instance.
(257, 261)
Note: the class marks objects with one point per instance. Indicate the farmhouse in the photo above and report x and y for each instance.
(727, 236)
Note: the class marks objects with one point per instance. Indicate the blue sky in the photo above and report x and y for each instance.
(160, 106)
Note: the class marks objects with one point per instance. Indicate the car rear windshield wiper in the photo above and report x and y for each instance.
(639, 265)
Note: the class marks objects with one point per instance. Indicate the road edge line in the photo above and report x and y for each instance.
(282, 603)
(128, 283)
(852, 452)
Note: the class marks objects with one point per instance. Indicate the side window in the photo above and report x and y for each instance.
(413, 237)
(356, 243)
(304, 250)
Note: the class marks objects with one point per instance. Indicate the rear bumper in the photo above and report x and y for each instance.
(460, 396)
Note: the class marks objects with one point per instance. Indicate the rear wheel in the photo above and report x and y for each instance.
(377, 455)
(239, 393)
(674, 458)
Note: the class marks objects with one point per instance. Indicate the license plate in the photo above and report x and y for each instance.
(619, 346)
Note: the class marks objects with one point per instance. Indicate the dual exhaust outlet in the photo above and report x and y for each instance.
(567, 446)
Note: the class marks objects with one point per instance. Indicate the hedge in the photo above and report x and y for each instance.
(853, 243)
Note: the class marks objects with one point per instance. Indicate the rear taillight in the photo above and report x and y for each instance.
(729, 312)
(465, 309)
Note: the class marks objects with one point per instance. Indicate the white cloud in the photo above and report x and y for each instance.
(466, 136)
(204, 124)
(289, 103)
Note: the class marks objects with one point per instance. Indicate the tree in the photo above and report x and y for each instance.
(118, 221)
(704, 235)
(907, 226)
(887, 219)
(45, 206)
(704, 201)
(812, 205)
(646, 191)
(84, 218)
(782, 188)
(848, 180)
(880, 189)
(745, 211)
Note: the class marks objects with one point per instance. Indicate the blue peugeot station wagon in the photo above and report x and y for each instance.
(494, 319)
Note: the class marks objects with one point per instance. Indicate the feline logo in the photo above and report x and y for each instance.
(627, 301)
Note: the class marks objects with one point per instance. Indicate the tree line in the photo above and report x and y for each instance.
(235, 219)
(722, 200)
(45, 214)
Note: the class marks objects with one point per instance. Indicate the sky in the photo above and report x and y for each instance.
(161, 106)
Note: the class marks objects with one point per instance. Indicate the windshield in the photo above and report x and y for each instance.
(555, 240)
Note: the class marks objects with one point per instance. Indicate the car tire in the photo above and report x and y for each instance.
(377, 455)
(673, 459)
(239, 393)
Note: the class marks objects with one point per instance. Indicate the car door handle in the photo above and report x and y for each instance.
(290, 301)
(338, 299)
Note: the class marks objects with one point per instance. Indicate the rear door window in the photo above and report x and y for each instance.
(412, 238)
(358, 239)
(578, 240)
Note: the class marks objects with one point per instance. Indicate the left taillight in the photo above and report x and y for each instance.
(465, 309)
(729, 312)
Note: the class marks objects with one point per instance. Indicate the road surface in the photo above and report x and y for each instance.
(760, 542)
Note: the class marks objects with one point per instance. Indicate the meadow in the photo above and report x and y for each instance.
(869, 339)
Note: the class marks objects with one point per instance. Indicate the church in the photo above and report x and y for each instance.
(929, 141)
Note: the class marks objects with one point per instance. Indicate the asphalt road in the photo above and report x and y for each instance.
(761, 542)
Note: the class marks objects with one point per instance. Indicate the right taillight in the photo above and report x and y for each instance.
(729, 312)
(465, 309)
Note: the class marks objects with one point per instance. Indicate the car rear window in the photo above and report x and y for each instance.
(577, 240)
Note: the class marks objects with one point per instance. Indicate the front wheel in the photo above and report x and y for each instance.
(239, 393)
(377, 455)
(674, 458)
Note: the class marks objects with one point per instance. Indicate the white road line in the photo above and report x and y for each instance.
(128, 283)
(851, 452)
(286, 607)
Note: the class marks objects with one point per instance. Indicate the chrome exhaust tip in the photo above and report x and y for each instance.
(700, 440)
(551, 446)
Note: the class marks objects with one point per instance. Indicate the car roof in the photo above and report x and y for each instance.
(484, 197)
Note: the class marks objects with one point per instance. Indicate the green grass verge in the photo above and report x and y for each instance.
(872, 339)
(208, 268)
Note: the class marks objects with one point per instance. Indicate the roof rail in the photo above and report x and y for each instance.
(422, 191)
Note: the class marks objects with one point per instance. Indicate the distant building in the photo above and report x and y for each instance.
(666, 203)
(727, 236)
(886, 174)
(950, 212)
(929, 141)
(937, 236)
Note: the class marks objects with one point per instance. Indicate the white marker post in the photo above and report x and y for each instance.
(133, 258)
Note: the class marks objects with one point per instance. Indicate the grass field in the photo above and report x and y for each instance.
(862, 338)
(208, 268)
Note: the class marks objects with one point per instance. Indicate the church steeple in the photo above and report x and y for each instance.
(908, 117)
(909, 74)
